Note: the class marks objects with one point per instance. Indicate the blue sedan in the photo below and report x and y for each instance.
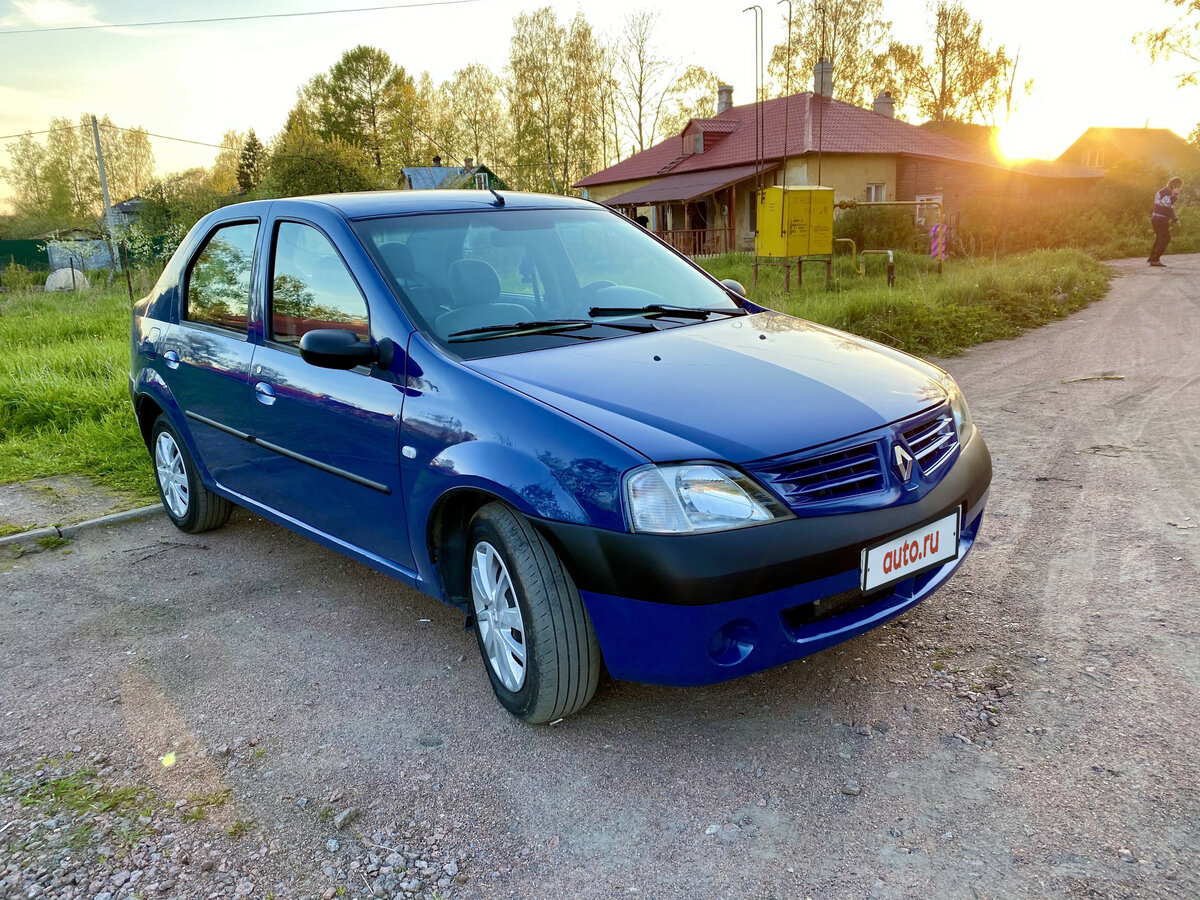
(530, 408)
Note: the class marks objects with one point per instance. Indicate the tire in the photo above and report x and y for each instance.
(550, 628)
(189, 504)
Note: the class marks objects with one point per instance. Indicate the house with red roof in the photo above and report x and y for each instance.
(1103, 148)
(698, 188)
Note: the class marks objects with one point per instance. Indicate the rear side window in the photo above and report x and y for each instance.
(311, 287)
(218, 285)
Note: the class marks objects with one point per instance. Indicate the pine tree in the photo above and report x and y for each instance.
(252, 162)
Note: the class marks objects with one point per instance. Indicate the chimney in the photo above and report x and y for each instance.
(885, 105)
(437, 162)
(823, 78)
(724, 97)
(469, 162)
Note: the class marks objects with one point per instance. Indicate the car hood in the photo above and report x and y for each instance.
(737, 389)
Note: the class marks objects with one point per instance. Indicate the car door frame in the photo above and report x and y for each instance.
(385, 321)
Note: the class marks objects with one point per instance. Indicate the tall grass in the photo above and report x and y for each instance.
(64, 401)
(926, 313)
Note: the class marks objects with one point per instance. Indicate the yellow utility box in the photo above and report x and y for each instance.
(795, 221)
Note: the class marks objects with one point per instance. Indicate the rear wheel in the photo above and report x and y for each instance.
(189, 504)
(534, 634)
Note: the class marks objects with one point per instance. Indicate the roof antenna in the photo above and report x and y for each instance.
(496, 194)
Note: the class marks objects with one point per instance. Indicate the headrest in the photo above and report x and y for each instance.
(398, 258)
(473, 282)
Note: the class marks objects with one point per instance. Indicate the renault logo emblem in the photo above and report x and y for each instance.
(904, 462)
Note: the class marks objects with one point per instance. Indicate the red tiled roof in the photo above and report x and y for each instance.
(681, 188)
(714, 126)
(836, 126)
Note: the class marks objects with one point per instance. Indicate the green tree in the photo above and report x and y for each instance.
(224, 174)
(693, 96)
(1180, 41)
(555, 77)
(367, 102)
(251, 163)
(473, 94)
(304, 162)
(958, 77)
(849, 33)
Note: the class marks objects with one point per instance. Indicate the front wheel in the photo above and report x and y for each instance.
(190, 505)
(534, 634)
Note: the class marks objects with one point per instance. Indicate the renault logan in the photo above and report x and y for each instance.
(531, 408)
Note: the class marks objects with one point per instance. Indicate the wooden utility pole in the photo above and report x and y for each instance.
(108, 212)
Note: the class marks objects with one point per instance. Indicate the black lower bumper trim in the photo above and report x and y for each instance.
(695, 570)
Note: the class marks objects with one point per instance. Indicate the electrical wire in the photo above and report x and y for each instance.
(287, 15)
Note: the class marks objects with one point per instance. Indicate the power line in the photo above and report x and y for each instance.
(165, 137)
(288, 15)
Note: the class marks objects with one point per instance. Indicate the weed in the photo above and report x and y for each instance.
(259, 752)
(52, 542)
(195, 813)
(78, 793)
(938, 666)
(239, 828)
(326, 813)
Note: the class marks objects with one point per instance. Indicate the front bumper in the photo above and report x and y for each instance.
(707, 608)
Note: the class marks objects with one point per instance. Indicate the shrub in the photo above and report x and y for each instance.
(880, 228)
(15, 277)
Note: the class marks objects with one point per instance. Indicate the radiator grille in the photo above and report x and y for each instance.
(931, 441)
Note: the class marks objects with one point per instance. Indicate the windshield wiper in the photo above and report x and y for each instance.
(663, 309)
(547, 326)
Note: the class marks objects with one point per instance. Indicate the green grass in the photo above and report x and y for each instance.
(64, 404)
(52, 542)
(925, 313)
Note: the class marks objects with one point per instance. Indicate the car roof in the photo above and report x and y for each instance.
(369, 204)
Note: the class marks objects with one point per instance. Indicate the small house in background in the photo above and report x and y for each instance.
(127, 212)
(1103, 148)
(81, 248)
(698, 188)
(465, 177)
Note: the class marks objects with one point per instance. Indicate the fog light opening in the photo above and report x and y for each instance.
(732, 642)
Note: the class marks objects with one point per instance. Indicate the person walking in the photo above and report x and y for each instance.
(1162, 217)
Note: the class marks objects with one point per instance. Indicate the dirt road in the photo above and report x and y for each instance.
(1030, 732)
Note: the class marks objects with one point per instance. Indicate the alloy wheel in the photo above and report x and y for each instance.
(498, 616)
(172, 474)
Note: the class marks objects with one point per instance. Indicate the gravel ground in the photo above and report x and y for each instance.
(242, 713)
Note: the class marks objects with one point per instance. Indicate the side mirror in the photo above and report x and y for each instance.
(334, 348)
(735, 286)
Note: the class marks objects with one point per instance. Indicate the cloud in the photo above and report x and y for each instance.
(52, 13)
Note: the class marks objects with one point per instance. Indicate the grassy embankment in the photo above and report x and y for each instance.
(64, 401)
(927, 314)
(64, 407)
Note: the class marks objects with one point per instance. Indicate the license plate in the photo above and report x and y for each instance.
(912, 553)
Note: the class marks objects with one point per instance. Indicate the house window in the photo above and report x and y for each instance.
(876, 193)
(1093, 158)
(927, 213)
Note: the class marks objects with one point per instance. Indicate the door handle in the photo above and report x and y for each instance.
(172, 359)
(264, 393)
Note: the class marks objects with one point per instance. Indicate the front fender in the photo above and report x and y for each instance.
(524, 481)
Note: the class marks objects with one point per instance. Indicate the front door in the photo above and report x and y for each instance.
(329, 440)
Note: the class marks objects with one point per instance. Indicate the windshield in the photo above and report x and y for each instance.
(494, 282)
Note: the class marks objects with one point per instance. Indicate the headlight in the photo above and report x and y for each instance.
(958, 409)
(687, 498)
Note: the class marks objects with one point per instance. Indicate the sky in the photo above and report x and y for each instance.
(196, 81)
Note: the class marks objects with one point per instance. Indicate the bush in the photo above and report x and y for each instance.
(1110, 219)
(15, 277)
(880, 228)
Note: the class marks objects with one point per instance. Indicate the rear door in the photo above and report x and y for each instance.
(207, 354)
(331, 438)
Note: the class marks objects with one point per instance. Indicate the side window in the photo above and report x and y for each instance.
(218, 284)
(311, 287)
